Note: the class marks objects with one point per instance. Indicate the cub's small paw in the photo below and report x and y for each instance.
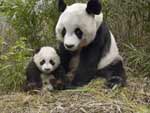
(70, 85)
(31, 86)
(59, 85)
(115, 81)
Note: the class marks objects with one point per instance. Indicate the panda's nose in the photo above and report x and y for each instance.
(69, 46)
(47, 69)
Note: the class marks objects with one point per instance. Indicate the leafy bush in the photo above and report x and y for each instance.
(32, 19)
(129, 20)
(138, 60)
(12, 65)
(133, 15)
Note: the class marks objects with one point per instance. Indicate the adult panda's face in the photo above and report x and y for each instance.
(76, 28)
(46, 59)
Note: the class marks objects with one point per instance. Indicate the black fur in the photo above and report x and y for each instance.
(90, 57)
(37, 50)
(65, 56)
(94, 7)
(114, 74)
(59, 74)
(61, 5)
(33, 80)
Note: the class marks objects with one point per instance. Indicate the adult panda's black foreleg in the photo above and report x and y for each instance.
(114, 74)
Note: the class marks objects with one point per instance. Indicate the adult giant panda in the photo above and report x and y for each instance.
(88, 48)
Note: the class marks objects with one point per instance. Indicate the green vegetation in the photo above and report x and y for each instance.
(28, 24)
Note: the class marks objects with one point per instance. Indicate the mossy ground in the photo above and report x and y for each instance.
(93, 98)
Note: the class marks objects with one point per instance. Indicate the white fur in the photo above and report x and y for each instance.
(99, 19)
(71, 39)
(75, 16)
(45, 79)
(112, 55)
(46, 53)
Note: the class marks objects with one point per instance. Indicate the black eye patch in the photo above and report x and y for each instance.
(52, 62)
(42, 62)
(78, 32)
(63, 32)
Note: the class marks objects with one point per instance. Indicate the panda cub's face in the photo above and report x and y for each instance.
(76, 28)
(46, 59)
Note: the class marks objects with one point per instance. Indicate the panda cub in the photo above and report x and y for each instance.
(44, 71)
(88, 48)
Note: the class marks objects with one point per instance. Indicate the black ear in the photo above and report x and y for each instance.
(61, 5)
(37, 50)
(94, 7)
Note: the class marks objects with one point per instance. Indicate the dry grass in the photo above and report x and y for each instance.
(93, 98)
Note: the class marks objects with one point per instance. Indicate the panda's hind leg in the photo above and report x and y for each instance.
(114, 74)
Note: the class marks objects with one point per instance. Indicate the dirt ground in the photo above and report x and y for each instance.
(93, 98)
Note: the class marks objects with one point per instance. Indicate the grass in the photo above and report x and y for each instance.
(93, 98)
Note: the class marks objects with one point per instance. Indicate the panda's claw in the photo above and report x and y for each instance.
(115, 81)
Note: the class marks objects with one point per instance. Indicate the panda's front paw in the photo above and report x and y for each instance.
(31, 86)
(68, 85)
(59, 85)
(115, 81)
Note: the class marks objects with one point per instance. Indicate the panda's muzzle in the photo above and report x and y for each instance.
(47, 69)
(69, 46)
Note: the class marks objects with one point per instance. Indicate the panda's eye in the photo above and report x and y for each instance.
(63, 32)
(52, 62)
(78, 32)
(42, 62)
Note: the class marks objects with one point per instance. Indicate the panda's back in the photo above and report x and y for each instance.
(107, 45)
